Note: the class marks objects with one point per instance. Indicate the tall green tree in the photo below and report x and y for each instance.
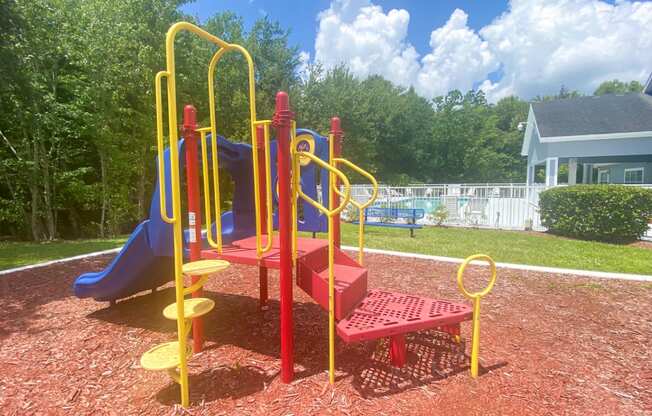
(618, 87)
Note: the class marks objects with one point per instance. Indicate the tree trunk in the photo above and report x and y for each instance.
(47, 196)
(104, 195)
(34, 191)
(142, 185)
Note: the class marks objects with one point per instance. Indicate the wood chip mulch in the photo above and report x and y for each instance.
(550, 345)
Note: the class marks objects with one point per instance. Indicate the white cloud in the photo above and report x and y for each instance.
(459, 58)
(304, 63)
(367, 40)
(536, 44)
(543, 44)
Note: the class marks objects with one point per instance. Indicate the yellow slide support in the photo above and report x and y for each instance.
(475, 297)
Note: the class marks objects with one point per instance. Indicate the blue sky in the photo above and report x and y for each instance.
(518, 47)
(301, 16)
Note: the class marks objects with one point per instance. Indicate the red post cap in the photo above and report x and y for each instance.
(335, 125)
(189, 117)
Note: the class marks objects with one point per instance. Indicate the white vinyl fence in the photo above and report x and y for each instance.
(512, 206)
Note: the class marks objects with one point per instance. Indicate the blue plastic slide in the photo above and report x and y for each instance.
(146, 259)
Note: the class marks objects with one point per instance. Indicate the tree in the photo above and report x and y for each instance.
(618, 87)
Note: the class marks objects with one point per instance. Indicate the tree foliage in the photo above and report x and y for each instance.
(618, 87)
(77, 124)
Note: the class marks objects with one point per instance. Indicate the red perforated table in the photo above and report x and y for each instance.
(385, 314)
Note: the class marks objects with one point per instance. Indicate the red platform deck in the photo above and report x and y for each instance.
(384, 314)
(244, 251)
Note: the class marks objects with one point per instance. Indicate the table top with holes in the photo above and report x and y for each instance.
(383, 314)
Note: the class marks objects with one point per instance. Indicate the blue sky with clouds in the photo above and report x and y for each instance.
(301, 16)
(523, 47)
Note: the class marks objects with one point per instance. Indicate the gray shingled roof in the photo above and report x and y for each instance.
(604, 114)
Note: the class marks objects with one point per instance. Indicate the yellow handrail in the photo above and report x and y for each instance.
(268, 185)
(260, 249)
(475, 297)
(216, 188)
(161, 147)
(330, 212)
(173, 134)
(361, 207)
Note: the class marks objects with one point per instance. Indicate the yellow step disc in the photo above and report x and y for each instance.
(192, 308)
(163, 356)
(202, 267)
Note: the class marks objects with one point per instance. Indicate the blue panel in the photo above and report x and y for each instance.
(146, 260)
(313, 220)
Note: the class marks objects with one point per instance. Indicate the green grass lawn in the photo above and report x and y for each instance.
(16, 254)
(507, 246)
(504, 246)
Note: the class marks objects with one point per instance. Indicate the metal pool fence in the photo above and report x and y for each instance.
(505, 206)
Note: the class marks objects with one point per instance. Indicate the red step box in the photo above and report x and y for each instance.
(350, 280)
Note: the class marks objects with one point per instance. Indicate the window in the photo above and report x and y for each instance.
(603, 176)
(634, 175)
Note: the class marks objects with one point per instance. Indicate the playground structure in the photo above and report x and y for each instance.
(245, 235)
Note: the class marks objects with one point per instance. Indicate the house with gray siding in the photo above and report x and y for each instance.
(597, 139)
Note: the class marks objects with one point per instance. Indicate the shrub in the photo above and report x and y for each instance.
(612, 213)
(439, 215)
(351, 213)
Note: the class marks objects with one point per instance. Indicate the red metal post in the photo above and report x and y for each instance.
(262, 271)
(282, 123)
(397, 350)
(336, 131)
(191, 141)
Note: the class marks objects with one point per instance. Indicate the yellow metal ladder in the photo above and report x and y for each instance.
(167, 356)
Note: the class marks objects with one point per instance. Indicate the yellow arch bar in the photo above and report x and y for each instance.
(361, 207)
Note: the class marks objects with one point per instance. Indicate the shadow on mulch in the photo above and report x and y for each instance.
(23, 293)
(236, 321)
(234, 383)
(432, 356)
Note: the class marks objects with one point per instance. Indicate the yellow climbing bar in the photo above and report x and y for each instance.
(361, 207)
(475, 297)
(227, 47)
(174, 217)
(206, 175)
(330, 212)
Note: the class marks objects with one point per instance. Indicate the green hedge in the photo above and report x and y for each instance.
(613, 213)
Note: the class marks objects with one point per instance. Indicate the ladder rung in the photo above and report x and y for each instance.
(192, 308)
(163, 356)
(203, 267)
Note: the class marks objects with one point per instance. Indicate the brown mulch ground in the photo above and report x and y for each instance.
(550, 345)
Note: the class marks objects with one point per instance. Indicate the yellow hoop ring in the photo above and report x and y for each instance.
(460, 276)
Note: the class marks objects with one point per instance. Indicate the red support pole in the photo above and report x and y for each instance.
(336, 131)
(283, 123)
(397, 350)
(191, 141)
(262, 180)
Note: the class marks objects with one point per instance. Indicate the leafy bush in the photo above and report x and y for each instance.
(439, 215)
(613, 213)
(351, 213)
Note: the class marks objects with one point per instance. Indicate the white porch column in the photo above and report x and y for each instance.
(530, 175)
(552, 166)
(587, 173)
(572, 171)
